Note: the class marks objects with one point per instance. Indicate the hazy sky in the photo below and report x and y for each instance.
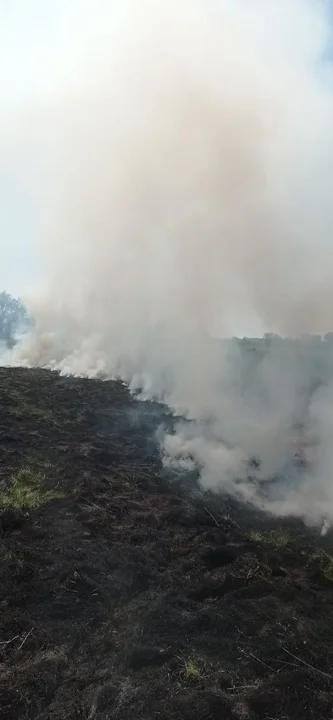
(36, 62)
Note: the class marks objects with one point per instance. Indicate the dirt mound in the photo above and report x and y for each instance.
(124, 596)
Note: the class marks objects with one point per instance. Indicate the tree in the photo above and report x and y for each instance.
(12, 314)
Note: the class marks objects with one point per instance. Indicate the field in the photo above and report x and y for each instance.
(125, 594)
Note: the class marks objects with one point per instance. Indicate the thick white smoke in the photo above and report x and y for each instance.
(186, 180)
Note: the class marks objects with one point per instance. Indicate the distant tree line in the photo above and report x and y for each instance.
(273, 338)
(13, 317)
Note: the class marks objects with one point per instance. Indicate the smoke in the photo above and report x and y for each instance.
(185, 179)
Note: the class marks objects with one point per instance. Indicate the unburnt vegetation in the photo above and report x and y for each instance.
(126, 593)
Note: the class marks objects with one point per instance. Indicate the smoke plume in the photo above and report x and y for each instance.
(185, 178)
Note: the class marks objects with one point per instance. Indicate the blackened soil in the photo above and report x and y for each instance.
(128, 597)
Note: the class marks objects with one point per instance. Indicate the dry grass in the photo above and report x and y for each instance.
(318, 558)
(274, 538)
(192, 671)
(25, 491)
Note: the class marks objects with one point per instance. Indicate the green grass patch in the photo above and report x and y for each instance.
(275, 538)
(25, 491)
(34, 411)
(24, 407)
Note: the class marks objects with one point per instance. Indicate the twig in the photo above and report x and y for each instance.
(247, 654)
(92, 504)
(228, 519)
(212, 516)
(243, 687)
(8, 642)
(311, 667)
(24, 639)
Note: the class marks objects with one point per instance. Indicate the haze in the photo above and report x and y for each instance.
(178, 158)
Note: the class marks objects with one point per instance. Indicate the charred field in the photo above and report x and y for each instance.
(125, 595)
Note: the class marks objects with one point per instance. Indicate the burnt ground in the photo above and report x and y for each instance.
(123, 595)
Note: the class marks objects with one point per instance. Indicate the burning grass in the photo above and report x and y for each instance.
(125, 596)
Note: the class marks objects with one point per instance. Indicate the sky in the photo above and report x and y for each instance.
(36, 62)
(29, 35)
(37, 65)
